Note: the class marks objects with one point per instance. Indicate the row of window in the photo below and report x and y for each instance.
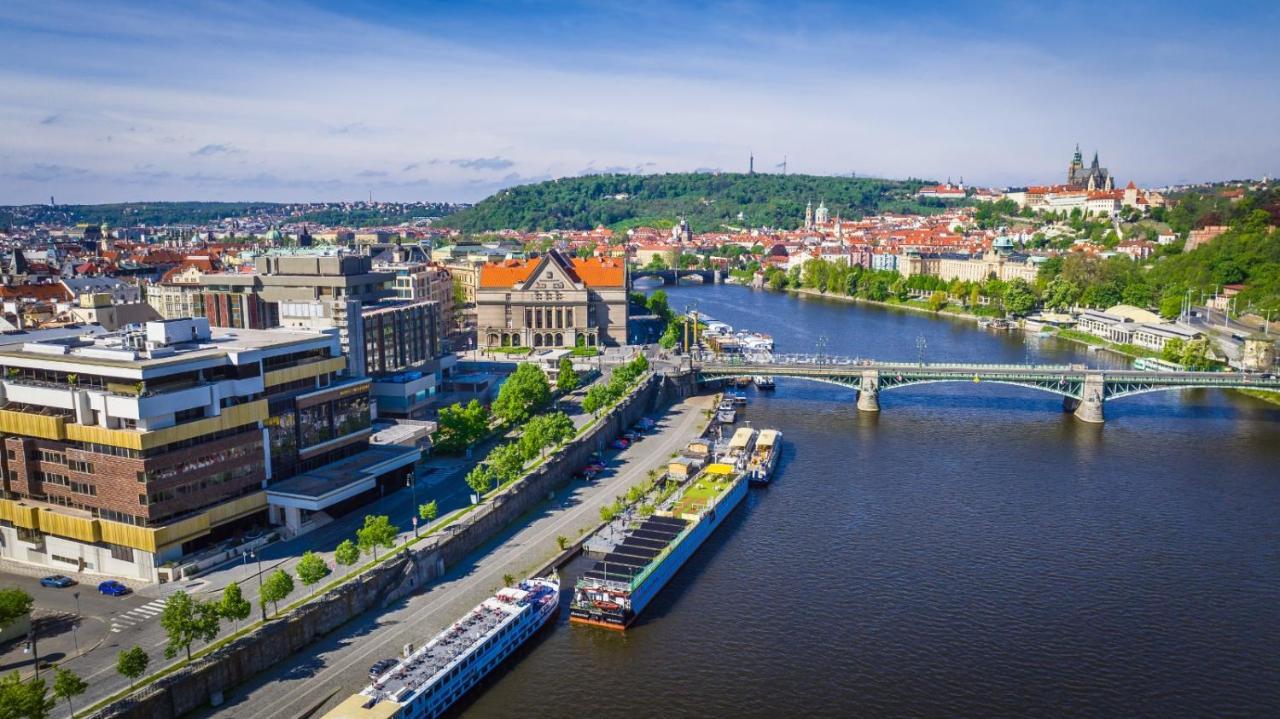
(182, 490)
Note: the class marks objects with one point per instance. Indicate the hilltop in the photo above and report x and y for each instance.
(709, 202)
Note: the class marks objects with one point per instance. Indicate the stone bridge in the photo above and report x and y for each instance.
(1084, 390)
(672, 277)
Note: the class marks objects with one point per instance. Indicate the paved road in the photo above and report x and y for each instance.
(339, 665)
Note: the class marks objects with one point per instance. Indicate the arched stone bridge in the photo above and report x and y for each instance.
(672, 277)
(1084, 390)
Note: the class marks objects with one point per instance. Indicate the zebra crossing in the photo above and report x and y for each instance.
(137, 615)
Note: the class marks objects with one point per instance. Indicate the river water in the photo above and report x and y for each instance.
(971, 551)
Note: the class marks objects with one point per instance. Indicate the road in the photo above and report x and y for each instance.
(339, 664)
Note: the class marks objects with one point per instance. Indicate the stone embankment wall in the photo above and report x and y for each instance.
(210, 677)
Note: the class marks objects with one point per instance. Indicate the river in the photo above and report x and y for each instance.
(971, 551)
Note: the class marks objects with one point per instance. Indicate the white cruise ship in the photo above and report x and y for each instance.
(429, 680)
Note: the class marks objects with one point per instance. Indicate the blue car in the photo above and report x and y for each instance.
(112, 588)
(57, 581)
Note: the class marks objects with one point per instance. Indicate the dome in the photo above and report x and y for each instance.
(273, 235)
(1002, 243)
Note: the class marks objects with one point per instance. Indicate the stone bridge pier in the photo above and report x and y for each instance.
(1089, 407)
(869, 391)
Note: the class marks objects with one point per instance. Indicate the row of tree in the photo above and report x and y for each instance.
(604, 394)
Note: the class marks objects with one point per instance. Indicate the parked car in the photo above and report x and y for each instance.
(619, 443)
(594, 467)
(380, 667)
(112, 588)
(57, 581)
(631, 436)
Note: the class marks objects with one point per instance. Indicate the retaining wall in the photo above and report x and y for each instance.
(210, 677)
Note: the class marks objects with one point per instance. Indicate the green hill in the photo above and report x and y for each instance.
(707, 201)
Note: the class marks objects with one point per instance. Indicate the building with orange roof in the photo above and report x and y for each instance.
(552, 301)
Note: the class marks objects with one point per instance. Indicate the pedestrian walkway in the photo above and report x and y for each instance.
(137, 615)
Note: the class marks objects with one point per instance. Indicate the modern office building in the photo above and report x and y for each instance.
(129, 450)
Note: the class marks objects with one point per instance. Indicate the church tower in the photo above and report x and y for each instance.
(1074, 170)
(808, 216)
(823, 215)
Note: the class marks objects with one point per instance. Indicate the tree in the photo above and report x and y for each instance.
(1170, 306)
(66, 685)
(132, 663)
(562, 542)
(275, 587)
(657, 304)
(428, 511)
(14, 603)
(347, 553)
(937, 300)
(1061, 294)
(480, 479)
(233, 605)
(1019, 299)
(24, 700)
(596, 399)
(507, 461)
(567, 379)
(378, 531)
(1172, 350)
(461, 426)
(185, 620)
(311, 568)
(523, 392)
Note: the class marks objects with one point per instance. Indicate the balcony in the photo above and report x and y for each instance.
(314, 368)
(230, 418)
(28, 421)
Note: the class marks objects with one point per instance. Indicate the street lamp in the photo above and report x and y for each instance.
(75, 638)
(261, 604)
(411, 480)
(921, 346)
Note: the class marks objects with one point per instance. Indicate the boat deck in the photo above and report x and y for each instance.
(638, 548)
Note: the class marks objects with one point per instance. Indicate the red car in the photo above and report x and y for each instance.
(619, 443)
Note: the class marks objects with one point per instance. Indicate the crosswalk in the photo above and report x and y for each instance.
(137, 616)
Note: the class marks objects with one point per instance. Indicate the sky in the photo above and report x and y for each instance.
(285, 100)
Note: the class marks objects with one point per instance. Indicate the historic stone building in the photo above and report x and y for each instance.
(1092, 177)
(552, 301)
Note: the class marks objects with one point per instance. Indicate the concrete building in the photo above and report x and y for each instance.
(552, 301)
(127, 450)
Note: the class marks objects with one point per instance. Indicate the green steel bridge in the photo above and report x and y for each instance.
(1084, 390)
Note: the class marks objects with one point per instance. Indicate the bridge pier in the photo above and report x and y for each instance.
(1089, 407)
(869, 391)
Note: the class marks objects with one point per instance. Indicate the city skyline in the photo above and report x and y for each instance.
(322, 101)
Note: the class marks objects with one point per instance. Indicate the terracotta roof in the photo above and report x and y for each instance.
(594, 272)
(47, 292)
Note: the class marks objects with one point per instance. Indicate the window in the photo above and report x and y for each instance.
(48, 455)
(51, 478)
(124, 554)
(84, 488)
(76, 465)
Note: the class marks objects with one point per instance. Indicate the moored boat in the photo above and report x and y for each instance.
(652, 549)
(764, 457)
(764, 383)
(426, 682)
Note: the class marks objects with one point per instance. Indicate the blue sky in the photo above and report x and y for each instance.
(114, 101)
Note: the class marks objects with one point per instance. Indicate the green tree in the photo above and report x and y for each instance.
(507, 461)
(67, 685)
(347, 553)
(1019, 298)
(428, 512)
(597, 398)
(562, 542)
(311, 568)
(937, 300)
(458, 426)
(776, 280)
(14, 603)
(567, 379)
(185, 620)
(233, 605)
(378, 531)
(24, 700)
(480, 479)
(132, 663)
(1170, 306)
(657, 304)
(522, 393)
(1172, 350)
(1061, 294)
(277, 586)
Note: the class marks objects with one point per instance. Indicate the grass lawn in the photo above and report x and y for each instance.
(585, 351)
(510, 350)
(699, 495)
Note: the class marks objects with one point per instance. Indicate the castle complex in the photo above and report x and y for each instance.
(1092, 177)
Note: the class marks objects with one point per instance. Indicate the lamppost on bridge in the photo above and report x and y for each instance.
(921, 346)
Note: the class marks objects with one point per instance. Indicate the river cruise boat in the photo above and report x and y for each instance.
(764, 457)
(739, 399)
(764, 383)
(652, 549)
(428, 681)
(727, 415)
